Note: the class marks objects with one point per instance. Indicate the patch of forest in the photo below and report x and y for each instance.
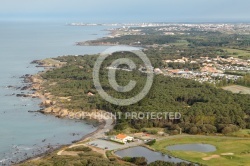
(204, 108)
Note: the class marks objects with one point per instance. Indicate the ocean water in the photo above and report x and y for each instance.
(24, 134)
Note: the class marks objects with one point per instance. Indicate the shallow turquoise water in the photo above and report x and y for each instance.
(23, 134)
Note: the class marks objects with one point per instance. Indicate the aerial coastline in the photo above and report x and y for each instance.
(53, 103)
(125, 83)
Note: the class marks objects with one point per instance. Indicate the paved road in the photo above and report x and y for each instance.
(109, 125)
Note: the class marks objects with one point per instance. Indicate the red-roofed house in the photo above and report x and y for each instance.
(123, 138)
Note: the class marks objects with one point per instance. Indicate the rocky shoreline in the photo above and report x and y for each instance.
(49, 105)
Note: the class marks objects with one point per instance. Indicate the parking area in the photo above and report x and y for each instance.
(104, 144)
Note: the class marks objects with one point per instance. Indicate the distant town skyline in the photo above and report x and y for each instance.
(127, 10)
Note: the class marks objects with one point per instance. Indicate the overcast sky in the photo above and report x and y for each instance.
(127, 10)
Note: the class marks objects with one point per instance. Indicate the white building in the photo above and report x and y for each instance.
(123, 138)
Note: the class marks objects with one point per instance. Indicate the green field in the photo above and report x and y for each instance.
(238, 53)
(241, 133)
(237, 89)
(180, 43)
(237, 150)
